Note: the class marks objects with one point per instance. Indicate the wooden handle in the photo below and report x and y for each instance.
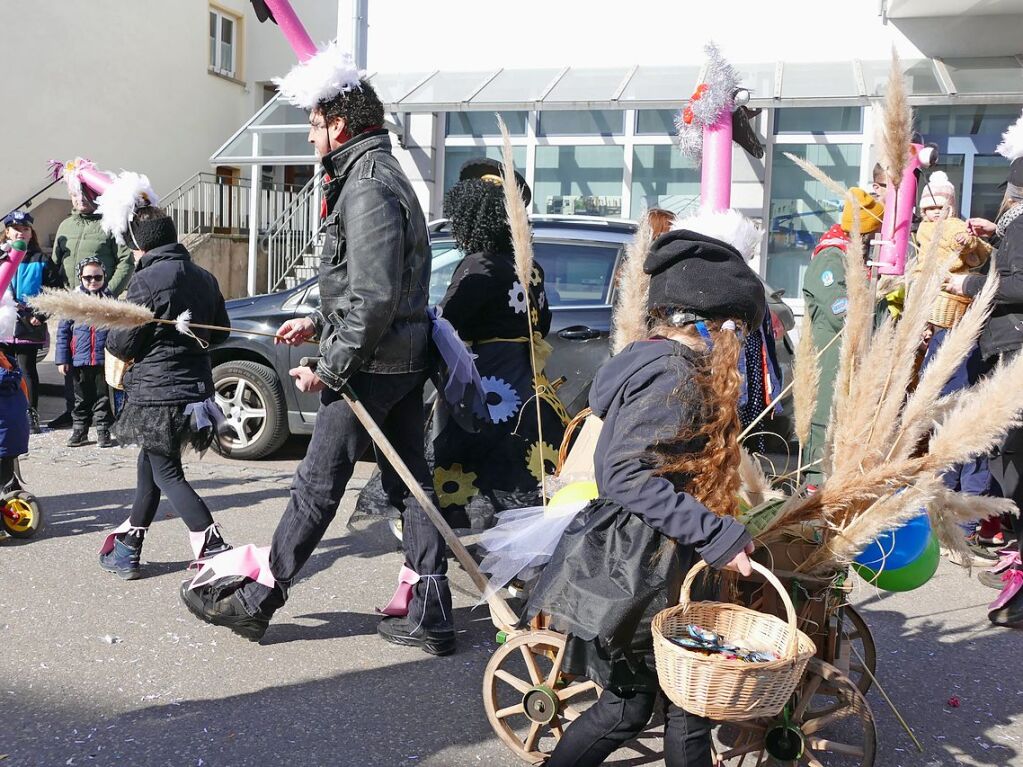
(790, 611)
(500, 609)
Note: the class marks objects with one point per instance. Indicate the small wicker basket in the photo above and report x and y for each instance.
(730, 690)
(948, 309)
(114, 370)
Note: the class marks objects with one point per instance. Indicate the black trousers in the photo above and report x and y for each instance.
(395, 403)
(25, 354)
(164, 474)
(619, 716)
(92, 398)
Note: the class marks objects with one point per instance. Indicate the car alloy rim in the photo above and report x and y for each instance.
(244, 410)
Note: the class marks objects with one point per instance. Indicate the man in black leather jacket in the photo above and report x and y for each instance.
(374, 338)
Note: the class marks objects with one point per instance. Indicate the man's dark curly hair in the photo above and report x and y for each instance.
(479, 222)
(360, 107)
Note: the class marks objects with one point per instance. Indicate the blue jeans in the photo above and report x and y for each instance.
(395, 403)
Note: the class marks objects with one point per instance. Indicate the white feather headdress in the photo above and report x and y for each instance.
(116, 206)
(1011, 147)
(330, 72)
(728, 226)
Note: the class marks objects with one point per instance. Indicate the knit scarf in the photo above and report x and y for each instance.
(835, 237)
(1007, 218)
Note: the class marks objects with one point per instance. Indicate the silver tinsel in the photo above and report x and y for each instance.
(722, 80)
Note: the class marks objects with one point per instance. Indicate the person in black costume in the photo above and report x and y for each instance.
(666, 466)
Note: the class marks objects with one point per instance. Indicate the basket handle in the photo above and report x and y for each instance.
(790, 611)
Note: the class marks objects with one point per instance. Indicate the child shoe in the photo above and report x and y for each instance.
(78, 437)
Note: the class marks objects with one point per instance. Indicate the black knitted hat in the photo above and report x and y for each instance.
(708, 277)
(147, 233)
(484, 167)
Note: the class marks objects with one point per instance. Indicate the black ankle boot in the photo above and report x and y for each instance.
(33, 422)
(103, 438)
(79, 437)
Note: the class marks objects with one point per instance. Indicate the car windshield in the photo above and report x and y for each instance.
(576, 274)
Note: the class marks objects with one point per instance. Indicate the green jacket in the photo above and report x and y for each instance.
(826, 301)
(80, 236)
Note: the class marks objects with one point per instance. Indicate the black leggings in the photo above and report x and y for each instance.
(617, 717)
(158, 473)
(26, 359)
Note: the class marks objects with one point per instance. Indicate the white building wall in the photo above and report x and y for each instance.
(126, 84)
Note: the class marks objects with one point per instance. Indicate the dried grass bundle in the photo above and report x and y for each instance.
(897, 125)
(629, 322)
(518, 219)
(97, 311)
(806, 376)
(754, 486)
(950, 510)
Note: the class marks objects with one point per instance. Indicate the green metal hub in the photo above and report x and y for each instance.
(541, 704)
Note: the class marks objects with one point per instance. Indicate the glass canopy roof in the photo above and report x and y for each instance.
(277, 133)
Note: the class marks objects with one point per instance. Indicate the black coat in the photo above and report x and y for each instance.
(1002, 332)
(169, 367)
(375, 274)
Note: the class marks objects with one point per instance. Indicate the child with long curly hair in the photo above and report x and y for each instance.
(666, 467)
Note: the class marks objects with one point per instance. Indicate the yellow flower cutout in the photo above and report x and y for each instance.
(541, 451)
(454, 486)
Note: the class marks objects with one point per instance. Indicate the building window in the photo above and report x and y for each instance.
(479, 124)
(456, 156)
(802, 209)
(656, 122)
(223, 43)
(579, 180)
(818, 120)
(592, 122)
(663, 178)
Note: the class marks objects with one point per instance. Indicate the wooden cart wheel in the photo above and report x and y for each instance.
(528, 700)
(830, 724)
(858, 653)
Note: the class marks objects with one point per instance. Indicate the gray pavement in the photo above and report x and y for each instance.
(96, 671)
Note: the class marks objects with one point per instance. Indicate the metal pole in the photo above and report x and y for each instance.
(360, 32)
(254, 194)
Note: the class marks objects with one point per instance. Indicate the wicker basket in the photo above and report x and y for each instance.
(114, 370)
(722, 689)
(948, 309)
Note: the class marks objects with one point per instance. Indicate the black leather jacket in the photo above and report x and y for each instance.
(1004, 330)
(375, 273)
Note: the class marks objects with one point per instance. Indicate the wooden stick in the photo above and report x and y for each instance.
(891, 705)
(786, 390)
(228, 329)
(499, 608)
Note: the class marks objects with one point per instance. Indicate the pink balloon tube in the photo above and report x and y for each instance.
(716, 173)
(898, 217)
(96, 180)
(10, 264)
(292, 28)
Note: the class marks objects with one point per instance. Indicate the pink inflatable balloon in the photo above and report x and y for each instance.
(292, 28)
(898, 212)
(716, 173)
(9, 265)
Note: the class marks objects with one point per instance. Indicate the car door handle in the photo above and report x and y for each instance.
(579, 333)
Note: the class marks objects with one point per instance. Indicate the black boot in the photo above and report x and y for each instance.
(214, 544)
(63, 421)
(214, 604)
(104, 439)
(79, 437)
(33, 421)
(400, 631)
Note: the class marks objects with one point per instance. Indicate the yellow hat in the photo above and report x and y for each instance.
(869, 210)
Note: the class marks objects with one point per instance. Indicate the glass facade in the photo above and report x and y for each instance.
(819, 120)
(663, 178)
(456, 156)
(479, 124)
(802, 209)
(594, 122)
(579, 180)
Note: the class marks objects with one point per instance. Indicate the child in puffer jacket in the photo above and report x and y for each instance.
(79, 350)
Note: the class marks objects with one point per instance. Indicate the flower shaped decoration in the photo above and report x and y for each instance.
(541, 458)
(517, 297)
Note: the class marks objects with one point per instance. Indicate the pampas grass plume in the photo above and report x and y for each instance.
(806, 376)
(631, 310)
(897, 131)
(518, 220)
(96, 311)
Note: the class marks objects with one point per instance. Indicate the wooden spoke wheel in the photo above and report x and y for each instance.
(528, 700)
(857, 651)
(829, 724)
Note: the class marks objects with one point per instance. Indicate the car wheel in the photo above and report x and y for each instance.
(253, 403)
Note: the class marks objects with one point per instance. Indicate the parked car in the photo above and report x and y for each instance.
(580, 257)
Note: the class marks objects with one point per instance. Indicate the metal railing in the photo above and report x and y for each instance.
(293, 234)
(207, 203)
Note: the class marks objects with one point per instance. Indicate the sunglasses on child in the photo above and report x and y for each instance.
(92, 277)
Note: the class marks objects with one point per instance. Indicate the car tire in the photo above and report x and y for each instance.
(253, 403)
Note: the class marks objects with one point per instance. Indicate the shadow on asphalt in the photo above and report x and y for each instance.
(337, 625)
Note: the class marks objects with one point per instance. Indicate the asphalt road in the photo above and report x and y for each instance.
(96, 671)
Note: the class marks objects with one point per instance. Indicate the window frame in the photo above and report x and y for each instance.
(214, 66)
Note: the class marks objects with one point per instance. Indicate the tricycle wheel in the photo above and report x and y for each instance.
(21, 514)
(528, 700)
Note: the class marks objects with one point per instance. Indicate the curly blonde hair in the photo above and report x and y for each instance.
(710, 474)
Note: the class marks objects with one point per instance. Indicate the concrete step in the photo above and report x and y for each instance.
(304, 272)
